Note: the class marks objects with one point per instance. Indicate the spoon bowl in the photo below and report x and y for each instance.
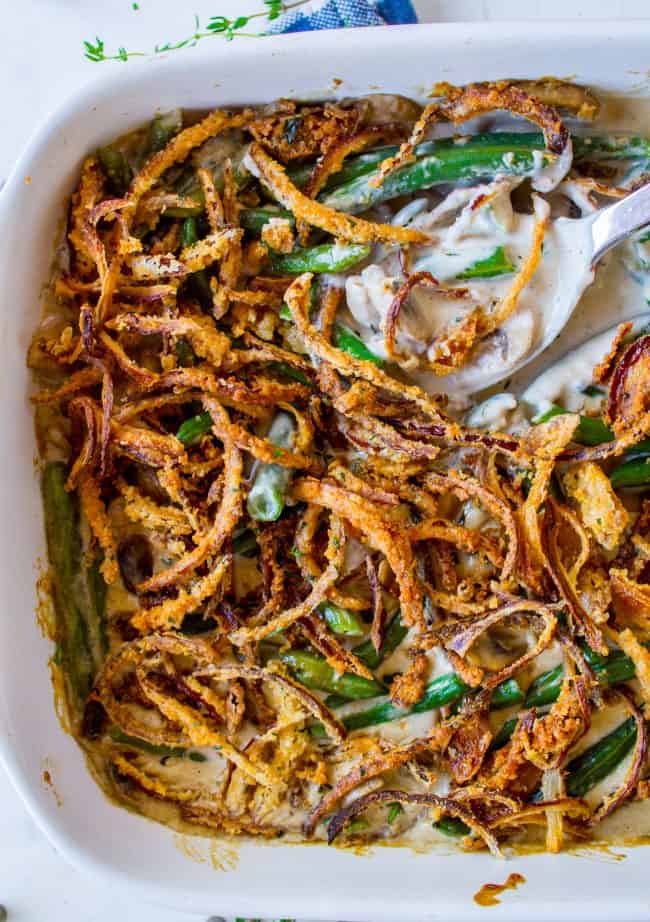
(576, 246)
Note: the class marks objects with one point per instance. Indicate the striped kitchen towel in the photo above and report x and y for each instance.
(339, 14)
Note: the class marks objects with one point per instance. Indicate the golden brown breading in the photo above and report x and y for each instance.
(407, 689)
(600, 509)
(294, 133)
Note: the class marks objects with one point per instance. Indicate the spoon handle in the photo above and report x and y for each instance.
(616, 222)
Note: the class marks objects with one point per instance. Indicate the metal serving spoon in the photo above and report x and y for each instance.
(597, 234)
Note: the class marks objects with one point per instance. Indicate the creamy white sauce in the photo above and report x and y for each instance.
(463, 236)
(565, 381)
(472, 236)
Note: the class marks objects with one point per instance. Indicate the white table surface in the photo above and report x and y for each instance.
(41, 61)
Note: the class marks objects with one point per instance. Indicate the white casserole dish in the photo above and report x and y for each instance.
(268, 880)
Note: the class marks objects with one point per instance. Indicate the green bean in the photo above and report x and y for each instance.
(245, 543)
(496, 263)
(545, 688)
(395, 634)
(445, 689)
(358, 825)
(199, 281)
(314, 671)
(394, 811)
(366, 652)
(336, 701)
(450, 160)
(451, 826)
(117, 169)
(360, 164)
(344, 339)
(282, 368)
(251, 219)
(593, 148)
(610, 670)
(326, 257)
(254, 219)
(593, 390)
(190, 210)
(193, 428)
(611, 147)
(184, 353)
(65, 552)
(638, 451)
(591, 430)
(189, 233)
(595, 763)
(635, 473)
(341, 620)
(162, 129)
(270, 481)
(503, 734)
(118, 736)
(97, 591)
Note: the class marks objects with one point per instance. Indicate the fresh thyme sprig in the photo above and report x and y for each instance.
(216, 25)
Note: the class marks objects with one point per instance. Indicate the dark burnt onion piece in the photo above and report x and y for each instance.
(623, 388)
(135, 559)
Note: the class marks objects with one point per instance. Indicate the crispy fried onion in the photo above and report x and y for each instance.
(631, 599)
(628, 400)
(390, 540)
(562, 94)
(345, 226)
(459, 636)
(339, 657)
(603, 370)
(100, 524)
(544, 443)
(396, 305)
(180, 146)
(440, 806)
(78, 381)
(375, 765)
(148, 661)
(309, 567)
(83, 202)
(465, 487)
(553, 556)
(335, 554)
(171, 612)
(332, 160)
(378, 627)
(463, 103)
(539, 813)
(640, 656)
(200, 332)
(547, 740)
(227, 515)
(297, 299)
(600, 509)
(312, 703)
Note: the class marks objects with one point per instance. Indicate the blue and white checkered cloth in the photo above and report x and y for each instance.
(339, 14)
